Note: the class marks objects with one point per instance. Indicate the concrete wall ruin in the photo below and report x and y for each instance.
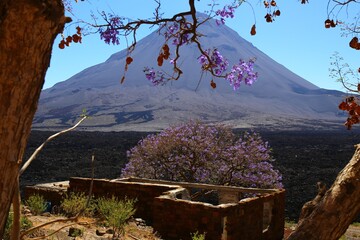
(168, 208)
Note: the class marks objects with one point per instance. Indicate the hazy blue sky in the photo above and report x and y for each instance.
(297, 39)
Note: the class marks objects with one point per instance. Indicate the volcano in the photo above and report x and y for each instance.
(278, 99)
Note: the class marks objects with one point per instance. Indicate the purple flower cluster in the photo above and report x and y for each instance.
(242, 72)
(196, 152)
(176, 32)
(110, 34)
(155, 77)
(226, 12)
(218, 63)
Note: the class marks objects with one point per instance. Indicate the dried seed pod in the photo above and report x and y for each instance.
(268, 18)
(332, 24)
(253, 30)
(62, 44)
(213, 84)
(69, 39)
(327, 23)
(343, 106)
(78, 30)
(129, 60)
(160, 60)
(75, 38)
(166, 48)
(354, 42)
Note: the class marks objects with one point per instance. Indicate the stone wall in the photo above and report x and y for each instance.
(145, 193)
(52, 192)
(175, 219)
(166, 206)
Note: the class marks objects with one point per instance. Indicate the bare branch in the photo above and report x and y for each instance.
(33, 156)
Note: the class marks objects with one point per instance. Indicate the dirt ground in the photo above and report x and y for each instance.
(135, 230)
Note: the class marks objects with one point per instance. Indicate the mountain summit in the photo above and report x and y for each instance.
(279, 98)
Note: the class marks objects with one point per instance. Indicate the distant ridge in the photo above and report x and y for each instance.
(279, 99)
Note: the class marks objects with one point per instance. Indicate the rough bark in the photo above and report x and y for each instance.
(331, 217)
(27, 31)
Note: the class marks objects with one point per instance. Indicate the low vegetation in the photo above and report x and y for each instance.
(116, 212)
(25, 224)
(36, 204)
(74, 203)
(111, 212)
(198, 236)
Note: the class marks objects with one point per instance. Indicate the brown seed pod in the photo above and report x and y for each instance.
(78, 30)
(253, 30)
(268, 18)
(69, 39)
(166, 48)
(332, 24)
(354, 42)
(343, 106)
(327, 23)
(160, 60)
(213, 84)
(129, 60)
(75, 38)
(62, 44)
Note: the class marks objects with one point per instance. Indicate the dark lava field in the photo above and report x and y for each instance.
(303, 158)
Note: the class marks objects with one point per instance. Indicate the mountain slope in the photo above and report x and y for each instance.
(279, 97)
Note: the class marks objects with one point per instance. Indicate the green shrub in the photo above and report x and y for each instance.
(25, 224)
(36, 204)
(198, 236)
(76, 202)
(116, 212)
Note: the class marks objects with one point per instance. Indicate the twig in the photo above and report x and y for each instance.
(33, 156)
(132, 236)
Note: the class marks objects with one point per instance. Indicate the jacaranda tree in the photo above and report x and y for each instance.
(196, 152)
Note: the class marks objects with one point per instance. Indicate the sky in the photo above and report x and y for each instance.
(296, 39)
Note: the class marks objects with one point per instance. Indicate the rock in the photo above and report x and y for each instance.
(75, 232)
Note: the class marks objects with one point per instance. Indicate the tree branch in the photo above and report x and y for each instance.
(33, 156)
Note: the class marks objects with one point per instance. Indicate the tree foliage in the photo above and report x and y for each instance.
(196, 152)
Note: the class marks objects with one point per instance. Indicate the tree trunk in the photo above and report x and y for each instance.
(28, 29)
(338, 208)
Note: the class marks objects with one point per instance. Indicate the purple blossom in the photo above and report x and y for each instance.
(226, 12)
(196, 152)
(177, 34)
(242, 72)
(155, 77)
(218, 63)
(110, 34)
